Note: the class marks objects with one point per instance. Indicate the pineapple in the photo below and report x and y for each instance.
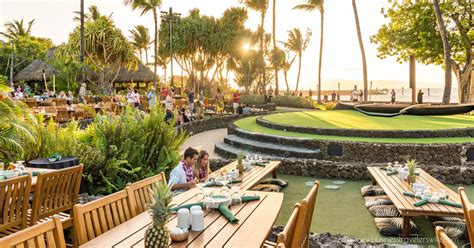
(157, 234)
(411, 164)
(240, 166)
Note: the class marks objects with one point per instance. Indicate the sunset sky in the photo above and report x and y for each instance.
(341, 55)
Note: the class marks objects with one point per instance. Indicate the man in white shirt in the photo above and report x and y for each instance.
(182, 176)
(355, 94)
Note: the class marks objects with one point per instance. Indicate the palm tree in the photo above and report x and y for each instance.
(141, 40)
(147, 6)
(297, 44)
(94, 14)
(275, 65)
(260, 6)
(311, 5)
(288, 62)
(16, 29)
(362, 50)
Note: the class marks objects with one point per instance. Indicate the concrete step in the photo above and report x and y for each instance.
(227, 151)
(273, 149)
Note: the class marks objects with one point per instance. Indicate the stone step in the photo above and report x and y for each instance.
(274, 149)
(227, 151)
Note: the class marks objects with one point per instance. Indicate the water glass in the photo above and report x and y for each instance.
(235, 199)
(199, 193)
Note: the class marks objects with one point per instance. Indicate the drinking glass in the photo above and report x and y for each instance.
(200, 192)
(235, 199)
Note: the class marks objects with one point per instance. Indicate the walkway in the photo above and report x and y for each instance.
(206, 141)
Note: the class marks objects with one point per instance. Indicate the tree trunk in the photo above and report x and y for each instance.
(285, 74)
(155, 47)
(274, 48)
(447, 52)
(262, 31)
(362, 51)
(320, 55)
(299, 70)
(146, 57)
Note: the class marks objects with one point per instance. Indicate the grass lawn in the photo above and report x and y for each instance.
(250, 124)
(342, 211)
(354, 120)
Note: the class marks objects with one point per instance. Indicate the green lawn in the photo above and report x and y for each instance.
(342, 211)
(250, 124)
(355, 120)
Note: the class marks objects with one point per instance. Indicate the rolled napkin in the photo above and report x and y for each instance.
(421, 203)
(188, 206)
(259, 164)
(235, 181)
(391, 173)
(35, 173)
(450, 203)
(213, 184)
(410, 195)
(247, 198)
(228, 214)
(3, 177)
(383, 168)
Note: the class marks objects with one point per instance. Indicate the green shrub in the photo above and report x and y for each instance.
(326, 106)
(252, 99)
(293, 101)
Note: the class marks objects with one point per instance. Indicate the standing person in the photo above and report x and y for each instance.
(333, 96)
(201, 98)
(82, 93)
(136, 99)
(420, 97)
(354, 94)
(152, 97)
(130, 95)
(169, 101)
(235, 101)
(310, 93)
(270, 94)
(361, 96)
(393, 95)
(301, 93)
(182, 176)
(191, 100)
(202, 170)
(220, 101)
(18, 94)
(27, 91)
(69, 98)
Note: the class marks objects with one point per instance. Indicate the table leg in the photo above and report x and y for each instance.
(274, 173)
(406, 226)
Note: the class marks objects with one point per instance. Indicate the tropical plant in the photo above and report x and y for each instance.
(17, 28)
(15, 132)
(362, 51)
(141, 41)
(157, 233)
(146, 6)
(326, 106)
(253, 99)
(260, 6)
(412, 30)
(312, 5)
(297, 43)
(293, 102)
(288, 62)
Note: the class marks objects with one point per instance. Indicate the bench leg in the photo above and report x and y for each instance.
(406, 226)
(274, 173)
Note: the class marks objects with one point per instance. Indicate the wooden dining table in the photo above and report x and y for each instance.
(256, 219)
(251, 177)
(394, 187)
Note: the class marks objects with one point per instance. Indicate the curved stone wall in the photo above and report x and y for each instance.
(458, 132)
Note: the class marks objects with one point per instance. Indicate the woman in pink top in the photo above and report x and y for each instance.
(202, 170)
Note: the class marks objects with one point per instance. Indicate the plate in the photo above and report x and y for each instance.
(339, 182)
(217, 200)
(332, 187)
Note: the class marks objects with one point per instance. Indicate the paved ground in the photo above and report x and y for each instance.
(206, 141)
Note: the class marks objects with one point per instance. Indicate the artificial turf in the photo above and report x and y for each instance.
(250, 124)
(343, 211)
(349, 119)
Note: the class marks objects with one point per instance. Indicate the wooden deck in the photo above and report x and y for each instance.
(394, 188)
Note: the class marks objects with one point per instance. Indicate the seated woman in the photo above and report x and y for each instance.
(202, 170)
(62, 95)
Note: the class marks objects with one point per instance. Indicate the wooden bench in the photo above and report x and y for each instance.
(394, 188)
(139, 192)
(49, 234)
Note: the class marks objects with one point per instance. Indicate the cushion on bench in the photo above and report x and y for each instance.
(371, 190)
(394, 226)
(384, 211)
(377, 200)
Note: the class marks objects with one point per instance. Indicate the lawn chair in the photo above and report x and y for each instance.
(443, 240)
(14, 204)
(139, 192)
(468, 209)
(48, 234)
(305, 217)
(97, 217)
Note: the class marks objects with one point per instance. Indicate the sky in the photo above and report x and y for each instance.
(341, 54)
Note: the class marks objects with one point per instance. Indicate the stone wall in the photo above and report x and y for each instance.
(358, 171)
(458, 132)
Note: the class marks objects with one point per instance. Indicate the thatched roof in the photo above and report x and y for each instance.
(34, 71)
(142, 74)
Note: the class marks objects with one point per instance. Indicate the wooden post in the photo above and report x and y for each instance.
(413, 79)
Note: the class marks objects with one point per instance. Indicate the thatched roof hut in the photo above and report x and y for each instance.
(34, 71)
(141, 74)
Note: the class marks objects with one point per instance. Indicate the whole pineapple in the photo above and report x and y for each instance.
(411, 164)
(157, 234)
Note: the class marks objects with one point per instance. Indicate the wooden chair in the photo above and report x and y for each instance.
(468, 209)
(31, 102)
(301, 237)
(49, 234)
(14, 204)
(287, 236)
(97, 217)
(56, 192)
(443, 240)
(62, 115)
(139, 192)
